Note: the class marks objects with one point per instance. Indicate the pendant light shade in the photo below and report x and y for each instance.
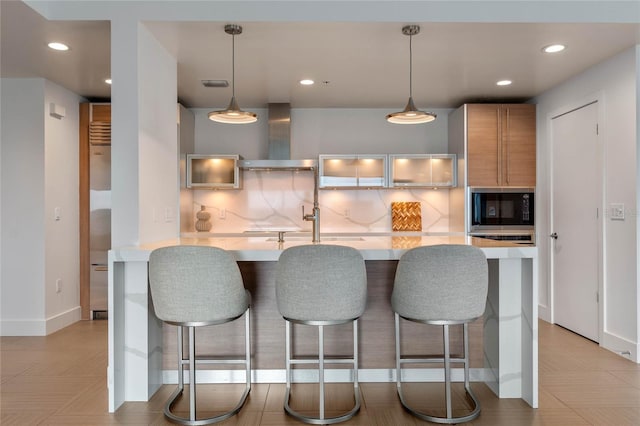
(410, 114)
(233, 114)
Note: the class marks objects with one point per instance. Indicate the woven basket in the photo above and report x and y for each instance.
(406, 216)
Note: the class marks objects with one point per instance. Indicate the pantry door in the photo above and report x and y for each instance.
(576, 185)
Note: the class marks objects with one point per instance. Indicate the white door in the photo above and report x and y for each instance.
(576, 186)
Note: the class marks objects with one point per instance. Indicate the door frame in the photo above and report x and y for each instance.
(597, 98)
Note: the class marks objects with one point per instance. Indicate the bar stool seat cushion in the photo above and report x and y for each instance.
(311, 283)
(197, 285)
(435, 283)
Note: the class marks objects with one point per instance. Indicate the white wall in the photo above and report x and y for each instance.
(23, 228)
(615, 80)
(125, 156)
(324, 131)
(62, 251)
(637, 203)
(364, 131)
(39, 172)
(158, 140)
(144, 143)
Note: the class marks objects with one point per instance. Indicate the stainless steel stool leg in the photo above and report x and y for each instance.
(446, 360)
(447, 368)
(192, 420)
(192, 374)
(289, 360)
(321, 368)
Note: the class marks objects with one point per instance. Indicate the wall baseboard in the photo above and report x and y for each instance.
(544, 313)
(623, 347)
(63, 319)
(39, 327)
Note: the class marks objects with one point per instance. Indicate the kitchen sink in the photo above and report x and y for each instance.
(308, 238)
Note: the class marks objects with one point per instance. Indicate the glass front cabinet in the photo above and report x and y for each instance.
(422, 171)
(213, 171)
(352, 171)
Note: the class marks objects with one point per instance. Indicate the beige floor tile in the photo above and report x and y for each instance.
(376, 395)
(94, 399)
(18, 417)
(554, 417)
(391, 416)
(60, 380)
(629, 377)
(547, 401)
(619, 416)
(27, 392)
(581, 397)
(580, 378)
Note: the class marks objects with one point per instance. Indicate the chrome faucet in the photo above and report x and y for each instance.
(315, 216)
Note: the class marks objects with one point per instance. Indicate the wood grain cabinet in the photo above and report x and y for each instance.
(501, 144)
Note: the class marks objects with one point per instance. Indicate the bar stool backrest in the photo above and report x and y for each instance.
(321, 283)
(196, 285)
(441, 283)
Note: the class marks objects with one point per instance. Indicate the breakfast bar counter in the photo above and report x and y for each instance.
(506, 351)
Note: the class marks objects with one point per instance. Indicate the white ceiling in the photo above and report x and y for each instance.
(365, 65)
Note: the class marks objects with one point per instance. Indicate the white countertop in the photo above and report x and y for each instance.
(265, 247)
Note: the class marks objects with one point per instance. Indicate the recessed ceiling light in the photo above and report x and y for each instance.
(306, 82)
(58, 46)
(108, 81)
(554, 48)
(504, 82)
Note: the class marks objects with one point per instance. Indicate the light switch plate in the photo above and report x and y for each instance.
(617, 211)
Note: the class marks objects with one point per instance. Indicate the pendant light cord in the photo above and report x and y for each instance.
(410, 67)
(233, 65)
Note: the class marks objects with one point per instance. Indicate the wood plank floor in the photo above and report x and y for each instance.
(61, 380)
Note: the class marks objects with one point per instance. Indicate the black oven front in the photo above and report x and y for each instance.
(504, 209)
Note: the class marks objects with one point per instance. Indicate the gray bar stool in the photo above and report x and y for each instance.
(321, 285)
(442, 285)
(196, 286)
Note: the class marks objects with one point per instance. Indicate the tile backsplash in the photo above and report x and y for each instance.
(273, 200)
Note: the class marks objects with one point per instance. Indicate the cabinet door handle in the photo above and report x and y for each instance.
(508, 146)
(499, 147)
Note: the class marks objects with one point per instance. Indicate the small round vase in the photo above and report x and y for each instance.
(203, 224)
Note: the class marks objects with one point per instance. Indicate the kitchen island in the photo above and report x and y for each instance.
(141, 351)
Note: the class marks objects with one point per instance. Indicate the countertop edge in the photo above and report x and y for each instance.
(258, 248)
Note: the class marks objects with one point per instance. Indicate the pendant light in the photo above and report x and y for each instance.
(233, 114)
(410, 115)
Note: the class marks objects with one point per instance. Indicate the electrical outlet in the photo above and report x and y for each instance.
(168, 214)
(58, 285)
(617, 211)
(57, 213)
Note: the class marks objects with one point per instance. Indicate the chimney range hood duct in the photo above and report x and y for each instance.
(279, 144)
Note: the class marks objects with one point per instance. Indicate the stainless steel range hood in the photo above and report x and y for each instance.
(279, 144)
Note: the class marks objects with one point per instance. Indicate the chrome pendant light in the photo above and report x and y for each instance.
(233, 114)
(410, 115)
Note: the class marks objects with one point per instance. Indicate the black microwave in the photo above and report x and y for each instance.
(502, 208)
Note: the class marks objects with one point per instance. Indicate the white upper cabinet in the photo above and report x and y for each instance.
(213, 171)
(422, 171)
(353, 171)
